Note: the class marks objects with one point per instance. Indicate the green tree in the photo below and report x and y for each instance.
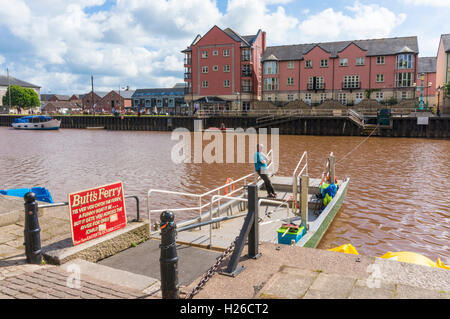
(21, 97)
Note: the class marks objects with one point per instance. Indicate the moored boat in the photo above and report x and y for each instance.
(36, 122)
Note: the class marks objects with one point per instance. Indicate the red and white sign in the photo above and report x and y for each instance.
(96, 212)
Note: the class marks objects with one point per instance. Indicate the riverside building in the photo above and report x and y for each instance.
(227, 71)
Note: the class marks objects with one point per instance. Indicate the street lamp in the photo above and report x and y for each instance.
(237, 100)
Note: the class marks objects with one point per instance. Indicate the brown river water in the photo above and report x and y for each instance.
(398, 198)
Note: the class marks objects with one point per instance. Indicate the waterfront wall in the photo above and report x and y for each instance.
(314, 125)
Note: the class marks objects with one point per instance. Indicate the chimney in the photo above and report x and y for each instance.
(264, 41)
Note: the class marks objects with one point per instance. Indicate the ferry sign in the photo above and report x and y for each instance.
(96, 212)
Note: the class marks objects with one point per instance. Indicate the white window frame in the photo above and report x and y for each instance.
(271, 84)
(204, 54)
(380, 78)
(308, 64)
(320, 83)
(290, 65)
(323, 97)
(226, 52)
(271, 67)
(351, 82)
(215, 53)
(360, 61)
(342, 98)
(379, 96)
(324, 63)
(215, 68)
(226, 68)
(343, 62)
(381, 59)
(205, 84)
(403, 79)
(290, 97)
(290, 81)
(205, 69)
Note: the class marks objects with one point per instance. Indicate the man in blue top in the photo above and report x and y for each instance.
(261, 160)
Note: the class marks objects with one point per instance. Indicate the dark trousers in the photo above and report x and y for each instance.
(267, 183)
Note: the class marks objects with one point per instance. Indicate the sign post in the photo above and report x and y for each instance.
(96, 212)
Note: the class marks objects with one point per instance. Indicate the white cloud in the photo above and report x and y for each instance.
(359, 22)
(431, 3)
(138, 42)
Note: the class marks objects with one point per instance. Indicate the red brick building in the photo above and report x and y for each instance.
(222, 69)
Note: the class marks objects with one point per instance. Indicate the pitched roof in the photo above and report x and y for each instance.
(158, 92)
(427, 65)
(246, 40)
(446, 42)
(126, 94)
(14, 81)
(374, 47)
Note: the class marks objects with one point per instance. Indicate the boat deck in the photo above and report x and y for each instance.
(271, 217)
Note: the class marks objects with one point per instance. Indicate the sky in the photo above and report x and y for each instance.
(58, 44)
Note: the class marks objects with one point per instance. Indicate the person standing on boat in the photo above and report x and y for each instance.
(261, 161)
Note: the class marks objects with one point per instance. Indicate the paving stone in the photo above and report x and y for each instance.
(5, 237)
(330, 286)
(410, 292)
(362, 291)
(289, 284)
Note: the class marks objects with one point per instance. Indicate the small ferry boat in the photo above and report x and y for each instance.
(300, 214)
(36, 122)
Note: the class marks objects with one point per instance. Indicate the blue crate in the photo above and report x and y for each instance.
(287, 239)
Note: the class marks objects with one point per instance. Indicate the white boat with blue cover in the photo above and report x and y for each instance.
(36, 122)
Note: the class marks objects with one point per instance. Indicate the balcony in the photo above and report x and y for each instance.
(246, 58)
(351, 85)
(187, 75)
(247, 89)
(187, 90)
(316, 87)
(247, 74)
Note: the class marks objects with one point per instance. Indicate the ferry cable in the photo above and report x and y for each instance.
(365, 140)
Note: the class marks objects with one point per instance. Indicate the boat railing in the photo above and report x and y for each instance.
(245, 180)
(295, 179)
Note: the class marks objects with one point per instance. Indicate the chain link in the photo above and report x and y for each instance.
(211, 271)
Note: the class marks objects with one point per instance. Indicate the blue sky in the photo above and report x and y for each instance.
(58, 44)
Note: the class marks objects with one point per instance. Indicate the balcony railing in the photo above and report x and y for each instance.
(246, 73)
(187, 90)
(246, 58)
(247, 89)
(351, 85)
(187, 75)
(316, 87)
(187, 61)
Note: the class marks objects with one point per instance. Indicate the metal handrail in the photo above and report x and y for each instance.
(198, 196)
(295, 178)
(67, 204)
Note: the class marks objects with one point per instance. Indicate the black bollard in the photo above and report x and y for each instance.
(169, 258)
(32, 232)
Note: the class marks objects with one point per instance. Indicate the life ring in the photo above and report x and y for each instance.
(228, 181)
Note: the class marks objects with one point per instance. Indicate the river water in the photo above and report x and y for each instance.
(398, 198)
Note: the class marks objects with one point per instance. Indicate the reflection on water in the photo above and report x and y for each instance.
(397, 201)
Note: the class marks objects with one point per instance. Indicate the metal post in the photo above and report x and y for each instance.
(304, 185)
(253, 235)
(32, 232)
(249, 224)
(169, 258)
(332, 161)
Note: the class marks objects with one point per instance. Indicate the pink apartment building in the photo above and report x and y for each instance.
(443, 68)
(341, 71)
(222, 69)
(226, 70)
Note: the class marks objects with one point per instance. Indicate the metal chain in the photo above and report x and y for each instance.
(211, 271)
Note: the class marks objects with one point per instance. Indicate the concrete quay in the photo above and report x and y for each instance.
(282, 272)
(289, 272)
